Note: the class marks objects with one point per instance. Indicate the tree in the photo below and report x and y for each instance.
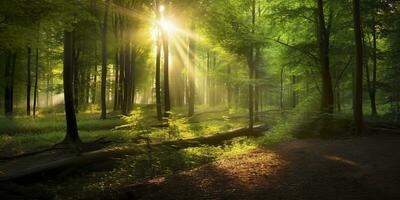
(323, 45)
(28, 83)
(358, 70)
(35, 87)
(167, 101)
(191, 72)
(104, 62)
(72, 135)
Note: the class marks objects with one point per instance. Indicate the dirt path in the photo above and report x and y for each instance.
(360, 168)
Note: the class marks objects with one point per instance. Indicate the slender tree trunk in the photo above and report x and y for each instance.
(133, 83)
(167, 101)
(294, 93)
(158, 81)
(121, 78)
(358, 70)
(35, 89)
(94, 87)
(323, 40)
(9, 82)
(374, 68)
(104, 62)
(281, 93)
(257, 61)
(72, 135)
(127, 80)
(251, 64)
(116, 81)
(229, 88)
(192, 65)
(29, 83)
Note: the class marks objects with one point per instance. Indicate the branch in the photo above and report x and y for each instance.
(341, 73)
(296, 48)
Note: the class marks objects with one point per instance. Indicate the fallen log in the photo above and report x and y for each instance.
(40, 163)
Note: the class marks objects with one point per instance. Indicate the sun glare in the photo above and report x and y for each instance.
(167, 25)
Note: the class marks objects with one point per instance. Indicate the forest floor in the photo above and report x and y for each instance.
(357, 168)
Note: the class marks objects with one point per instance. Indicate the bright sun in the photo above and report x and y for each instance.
(167, 25)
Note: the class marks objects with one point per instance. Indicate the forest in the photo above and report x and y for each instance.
(200, 99)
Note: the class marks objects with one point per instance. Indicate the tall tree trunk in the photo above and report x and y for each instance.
(294, 93)
(116, 81)
(251, 65)
(72, 135)
(374, 68)
(167, 101)
(94, 87)
(281, 92)
(28, 83)
(323, 41)
(158, 81)
(127, 80)
(191, 72)
(358, 70)
(121, 78)
(35, 89)
(257, 96)
(133, 84)
(229, 88)
(104, 62)
(9, 83)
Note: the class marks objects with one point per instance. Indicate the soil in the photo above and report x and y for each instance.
(356, 168)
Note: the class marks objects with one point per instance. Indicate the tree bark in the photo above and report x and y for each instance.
(127, 80)
(35, 89)
(29, 83)
(374, 69)
(158, 70)
(358, 70)
(191, 72)
(9, 83)
(104, 62)
(116, 81)
(323, 43)
(72, 135)
(167, 100)
(133, 83)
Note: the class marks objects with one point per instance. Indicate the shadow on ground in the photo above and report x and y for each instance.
(359, 168)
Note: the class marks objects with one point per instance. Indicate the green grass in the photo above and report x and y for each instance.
(26, 135)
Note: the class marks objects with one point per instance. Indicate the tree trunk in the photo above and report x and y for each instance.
(158, 78)
(121, 78)
(35, 89)
(127, 80)
(374, 67)
(104, 62)
(167, 102)
(29, 83)
(116, 81)
(358, 70)
(323, 41)
(294, 93)
(94, 87)
(133, 84)
(9, 83)
(191, 72)
(72, 135)
(281, 92)
(257, 96)
(251, 65)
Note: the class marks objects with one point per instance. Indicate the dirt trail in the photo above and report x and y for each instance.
(359, 168)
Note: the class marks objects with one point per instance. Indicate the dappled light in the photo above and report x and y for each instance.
(199, 99)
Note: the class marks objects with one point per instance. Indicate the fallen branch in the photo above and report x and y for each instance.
(18, 168)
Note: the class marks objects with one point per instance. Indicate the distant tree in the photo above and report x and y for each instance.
(104, 62)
